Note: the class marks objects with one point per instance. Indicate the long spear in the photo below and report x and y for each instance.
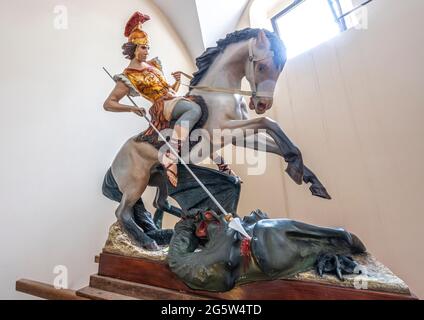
(234, 223)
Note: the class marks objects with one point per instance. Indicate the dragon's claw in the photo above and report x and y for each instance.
(335, 263)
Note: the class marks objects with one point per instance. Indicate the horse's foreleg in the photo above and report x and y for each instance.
(316, 187)
(262, 142)
(288, 150)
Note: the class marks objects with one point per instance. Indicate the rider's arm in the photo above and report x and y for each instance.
(176, 86)
(177, 77)
(112, 102)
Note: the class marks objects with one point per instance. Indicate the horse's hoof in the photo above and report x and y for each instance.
(320, 192)
(295, 171)
(151, 246)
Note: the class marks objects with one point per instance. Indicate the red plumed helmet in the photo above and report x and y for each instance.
(134, 22)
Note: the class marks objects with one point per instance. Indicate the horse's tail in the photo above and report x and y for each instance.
(110, 188)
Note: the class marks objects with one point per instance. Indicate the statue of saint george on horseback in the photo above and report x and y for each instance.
(214, 102)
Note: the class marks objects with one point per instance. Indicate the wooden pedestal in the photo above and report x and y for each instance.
(123, 277)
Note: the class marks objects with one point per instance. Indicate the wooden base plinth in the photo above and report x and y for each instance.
(126, 278)
(148, 279)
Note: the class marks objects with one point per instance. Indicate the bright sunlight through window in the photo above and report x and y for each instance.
(308, 24)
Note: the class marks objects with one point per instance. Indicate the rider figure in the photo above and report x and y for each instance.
(144, 77)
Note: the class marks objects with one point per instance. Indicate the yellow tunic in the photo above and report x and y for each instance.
(151, 84)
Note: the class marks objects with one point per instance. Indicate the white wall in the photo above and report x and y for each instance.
(223, 15)
(187, 24)
(354, 106)
(57, 141)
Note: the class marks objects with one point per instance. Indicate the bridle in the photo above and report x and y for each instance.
(253, 93)
(252, 60)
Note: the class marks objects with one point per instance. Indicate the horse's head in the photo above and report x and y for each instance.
(263, 67)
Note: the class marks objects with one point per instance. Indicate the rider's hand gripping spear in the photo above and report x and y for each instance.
(235, 222)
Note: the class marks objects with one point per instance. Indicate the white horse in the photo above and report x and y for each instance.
(256, 54)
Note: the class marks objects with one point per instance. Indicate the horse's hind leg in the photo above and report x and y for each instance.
(153, 227)
(143, 218)
(125, 215)
(162, 203)
(158, 179)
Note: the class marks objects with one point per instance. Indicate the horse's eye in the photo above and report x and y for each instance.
(262, 67)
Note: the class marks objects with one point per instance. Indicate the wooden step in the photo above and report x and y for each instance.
(137, 290)
(98, 294)
(45, 291)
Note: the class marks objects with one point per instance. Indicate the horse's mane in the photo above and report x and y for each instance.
(207, 58)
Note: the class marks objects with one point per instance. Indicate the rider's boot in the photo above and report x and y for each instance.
(168, 159)
(224, 167)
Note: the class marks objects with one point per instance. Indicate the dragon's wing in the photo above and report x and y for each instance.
(189, 194)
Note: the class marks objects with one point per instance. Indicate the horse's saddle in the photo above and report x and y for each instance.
(153, 138)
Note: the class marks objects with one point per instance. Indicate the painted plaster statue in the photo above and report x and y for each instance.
(214, 101)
